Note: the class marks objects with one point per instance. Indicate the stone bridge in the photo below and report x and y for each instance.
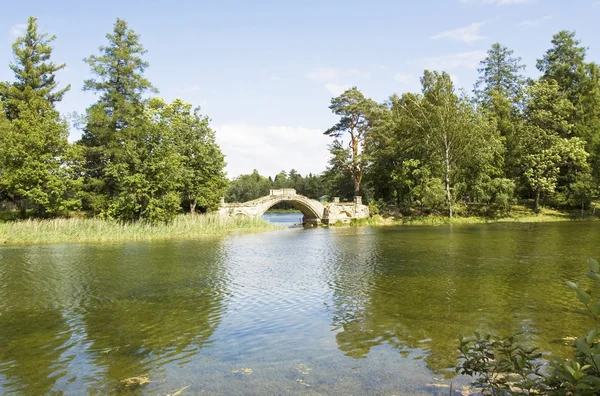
(314, 211)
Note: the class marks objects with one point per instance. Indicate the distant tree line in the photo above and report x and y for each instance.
(251, 186)
(138, 158)
(439, 151)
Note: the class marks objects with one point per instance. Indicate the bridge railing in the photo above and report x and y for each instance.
(283, 191)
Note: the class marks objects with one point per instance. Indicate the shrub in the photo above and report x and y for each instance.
(504, 366)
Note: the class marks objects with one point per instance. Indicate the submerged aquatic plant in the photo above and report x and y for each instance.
(504, 366)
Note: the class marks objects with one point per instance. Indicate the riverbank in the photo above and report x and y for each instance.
(97, 230)
(518, 215)
(283, 211)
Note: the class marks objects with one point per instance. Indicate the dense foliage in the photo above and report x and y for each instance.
(251, 186)
(435, 151)
(505, 366)
(438, 151)
(138, 158)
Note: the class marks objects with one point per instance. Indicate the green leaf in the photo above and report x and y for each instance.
(583, 296)
(584, 312)
(595, 381)
(597, 360)
(583, 346)
(571, 285)
(594, 265)
(583, 386)
(570, 369)
(592, 335)
(596, 309)
(593, 275)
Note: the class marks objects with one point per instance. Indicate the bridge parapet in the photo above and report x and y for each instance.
(283, 191)
(314, 211)
(345, 211)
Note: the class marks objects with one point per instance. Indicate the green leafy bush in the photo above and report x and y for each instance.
(504, 366)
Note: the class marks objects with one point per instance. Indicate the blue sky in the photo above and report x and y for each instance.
(265, 71)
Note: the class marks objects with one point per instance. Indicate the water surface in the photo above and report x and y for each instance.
(341, 311)
(284, 219)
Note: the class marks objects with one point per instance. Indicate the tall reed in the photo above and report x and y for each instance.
(97, 230)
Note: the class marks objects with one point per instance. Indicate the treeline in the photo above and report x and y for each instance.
(514, 138)
(251, 186)
(138, 157)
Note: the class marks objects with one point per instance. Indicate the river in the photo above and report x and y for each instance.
(340, 311)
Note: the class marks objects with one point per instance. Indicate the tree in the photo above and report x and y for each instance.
(202, 162)
(281, 180)
(248, 187)
(564, 63)
(450, 131)
(545, 139)
(584, 190)
(36, 161)
(580, 82)
(37, 164)
(354, 111)
(340, 179)
(499, 74)
(147, 178)
(499, 93)
(33, 70)
(120, 84)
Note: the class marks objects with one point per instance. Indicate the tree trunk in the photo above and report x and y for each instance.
(193, 206)
(536, 204)
(447, 179)
(356, 188)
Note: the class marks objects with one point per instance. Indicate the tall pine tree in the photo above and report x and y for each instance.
(34, 71)
(498, 91)
(120, 84)
(36, 160)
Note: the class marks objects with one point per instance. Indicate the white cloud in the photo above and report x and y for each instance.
(190, 89)
(17, 30)
(497, 2)
(467, 34)
(270, 149)
(336, 89)
(467, 60)
(404, 78)
(326, 74)
(535, 22)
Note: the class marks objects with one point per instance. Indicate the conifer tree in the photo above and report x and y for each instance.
(499, 75)
(499, 92)
(36, 160)
(34, 71)
(354, 111)
(120, 84)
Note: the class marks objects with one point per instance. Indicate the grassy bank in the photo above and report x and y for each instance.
(96, 230)
(282, 211)
(517, 215)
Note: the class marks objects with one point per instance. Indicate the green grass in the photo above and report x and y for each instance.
(519, 214)
(282, 211)
(97, 230)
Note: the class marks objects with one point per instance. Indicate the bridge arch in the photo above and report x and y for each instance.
(311, 209)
